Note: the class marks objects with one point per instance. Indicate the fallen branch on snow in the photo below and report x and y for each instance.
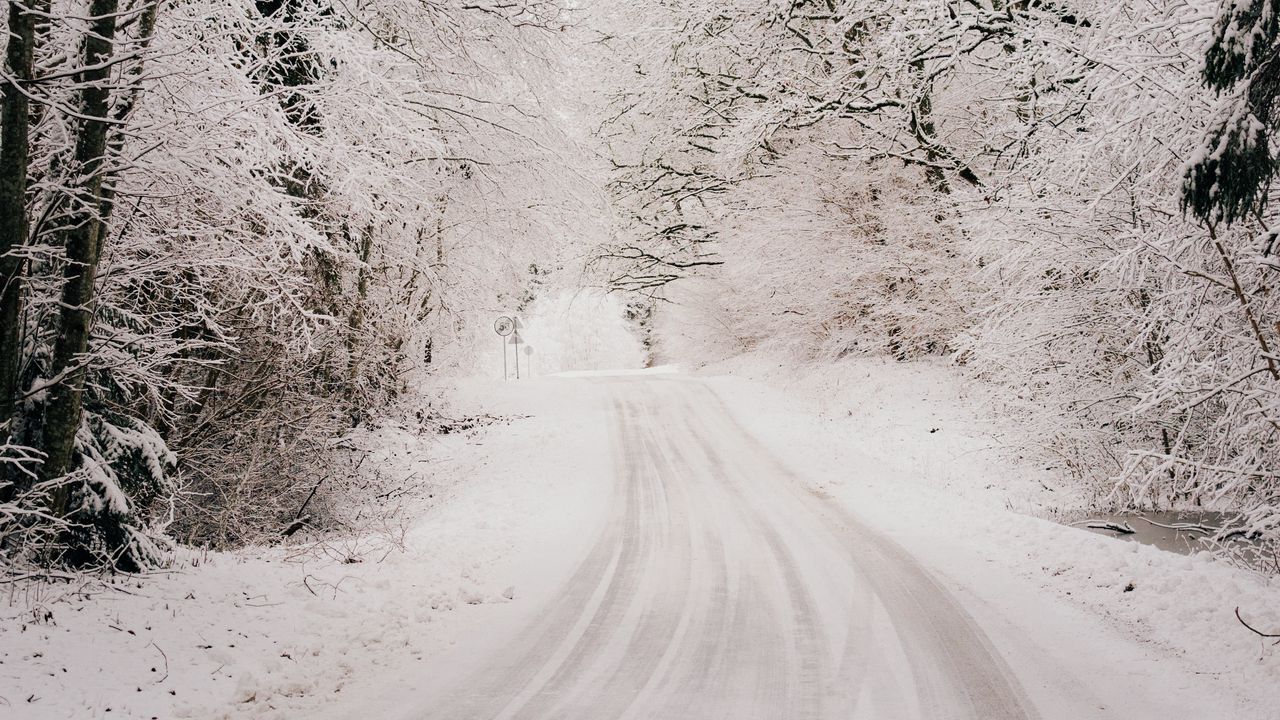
(1255, 630)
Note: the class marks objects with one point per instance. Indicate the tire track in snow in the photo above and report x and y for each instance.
(722, 590)
(957, 673)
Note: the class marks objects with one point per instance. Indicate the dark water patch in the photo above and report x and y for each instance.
(1180, 531)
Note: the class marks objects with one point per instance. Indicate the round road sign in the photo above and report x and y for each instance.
(504, 326)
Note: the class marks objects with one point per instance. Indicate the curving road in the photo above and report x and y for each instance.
(720, 589)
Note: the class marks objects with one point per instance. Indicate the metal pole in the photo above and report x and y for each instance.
(504, 356)
(517, 354)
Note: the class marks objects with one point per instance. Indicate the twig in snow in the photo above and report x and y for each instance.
(1255, 630)
(41, 575)
(166, 662)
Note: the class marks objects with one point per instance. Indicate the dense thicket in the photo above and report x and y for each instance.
(1073, 198)
(231, 230)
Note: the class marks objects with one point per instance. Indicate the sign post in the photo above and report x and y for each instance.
(504, 326)
(515, 340)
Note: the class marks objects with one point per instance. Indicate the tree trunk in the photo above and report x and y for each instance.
(84, 248)
(15, 145)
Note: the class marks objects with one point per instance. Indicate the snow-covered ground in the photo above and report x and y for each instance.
(322, 629)
(919, 452)
(509, 511)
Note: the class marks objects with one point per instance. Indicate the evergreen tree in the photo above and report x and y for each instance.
(1230, 177)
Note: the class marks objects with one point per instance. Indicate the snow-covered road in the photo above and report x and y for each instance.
(722, 588)
(668, 547)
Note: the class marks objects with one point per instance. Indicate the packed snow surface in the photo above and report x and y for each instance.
(659, 545)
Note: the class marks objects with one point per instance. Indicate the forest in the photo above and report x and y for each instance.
(1073, 201)
(230, 232)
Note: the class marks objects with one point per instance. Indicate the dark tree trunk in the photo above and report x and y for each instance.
(15, 144)
(84, 248)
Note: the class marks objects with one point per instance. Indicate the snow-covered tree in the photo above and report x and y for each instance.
(246, 226)
(1030, 158)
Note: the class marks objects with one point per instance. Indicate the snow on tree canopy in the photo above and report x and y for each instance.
(1229, 178)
